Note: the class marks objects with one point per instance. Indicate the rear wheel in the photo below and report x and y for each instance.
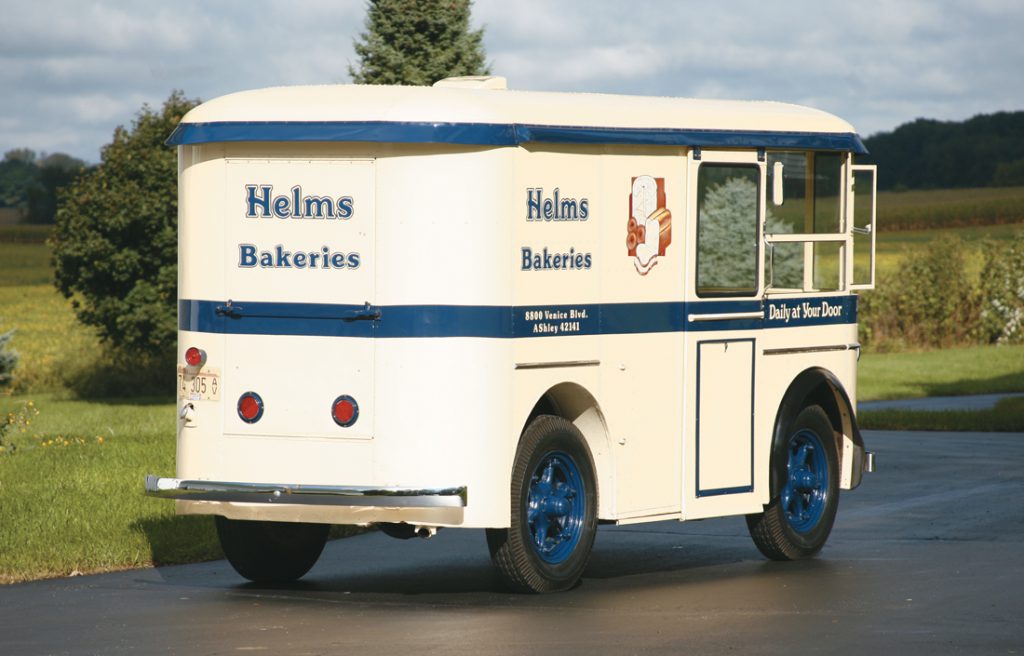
(797, 522)
(554, 510)
(271, 552)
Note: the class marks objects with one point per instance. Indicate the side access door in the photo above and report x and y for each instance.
(723, 317)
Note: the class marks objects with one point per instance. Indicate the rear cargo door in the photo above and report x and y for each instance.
(298, 307)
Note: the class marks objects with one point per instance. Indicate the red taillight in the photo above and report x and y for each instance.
(250, 407)
(195, 357)
(345, 411)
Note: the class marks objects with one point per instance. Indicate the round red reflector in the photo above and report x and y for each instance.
(195, 357)
(250, 407)
(345, 411)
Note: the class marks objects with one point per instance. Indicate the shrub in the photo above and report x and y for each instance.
(18, 420)
(1002, 292)
(8, 359)
(929, 303)
(115, 242)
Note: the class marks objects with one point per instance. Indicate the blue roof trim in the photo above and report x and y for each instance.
(500, 134)
(692, 137)
(477, 134)
(503, 322)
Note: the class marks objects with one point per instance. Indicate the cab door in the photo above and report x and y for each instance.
(723, 317)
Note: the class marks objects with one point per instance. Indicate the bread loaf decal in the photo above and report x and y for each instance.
(649, 229)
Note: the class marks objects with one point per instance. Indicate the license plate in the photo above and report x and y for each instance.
(201, 386)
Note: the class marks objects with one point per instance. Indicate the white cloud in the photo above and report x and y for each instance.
(73, 70)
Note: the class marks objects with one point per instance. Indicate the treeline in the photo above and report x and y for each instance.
(984, 151)
(30, 184)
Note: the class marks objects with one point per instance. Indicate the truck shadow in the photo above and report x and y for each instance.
(180, 539)
(454, 562)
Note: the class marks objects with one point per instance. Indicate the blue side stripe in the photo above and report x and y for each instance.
(499, 322)
(502, 134)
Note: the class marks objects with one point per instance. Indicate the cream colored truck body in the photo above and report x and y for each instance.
(452, 194)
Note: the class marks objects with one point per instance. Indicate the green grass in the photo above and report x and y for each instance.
(1006, 416)
(71, 491)
(948, 372)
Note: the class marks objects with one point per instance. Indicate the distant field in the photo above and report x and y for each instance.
(908, 220)
(948, 208)
(24, 234)
(892, 246)
(51, 342)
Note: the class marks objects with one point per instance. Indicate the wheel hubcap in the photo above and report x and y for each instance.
(806, 492)
(556, 507)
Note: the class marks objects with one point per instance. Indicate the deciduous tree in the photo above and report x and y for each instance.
(115, 242)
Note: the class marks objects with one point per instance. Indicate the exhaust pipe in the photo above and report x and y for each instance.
(403, 531)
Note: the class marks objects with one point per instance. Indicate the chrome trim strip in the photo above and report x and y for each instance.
(797, 238)
(726, 316)
(556, 365)
(812, 349)
(315, 495)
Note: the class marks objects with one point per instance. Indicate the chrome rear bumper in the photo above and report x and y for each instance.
(315, 495)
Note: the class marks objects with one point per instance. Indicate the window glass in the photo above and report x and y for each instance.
(785, 266)
(789, 216)
(863, 202)
(827, 186)
(828, 275)
(727, 217)
(811, 192)
(811, 185)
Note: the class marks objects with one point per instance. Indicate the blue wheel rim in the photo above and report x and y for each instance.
(556, 507)
(805, 495)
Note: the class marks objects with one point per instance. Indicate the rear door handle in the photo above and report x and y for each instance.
(366, 313)
(229, 310)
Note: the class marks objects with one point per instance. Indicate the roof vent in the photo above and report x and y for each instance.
(474, 82)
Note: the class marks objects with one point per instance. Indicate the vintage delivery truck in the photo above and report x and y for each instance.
(532, 313)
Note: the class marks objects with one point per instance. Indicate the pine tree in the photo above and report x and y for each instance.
(418, 42)
(727, 233)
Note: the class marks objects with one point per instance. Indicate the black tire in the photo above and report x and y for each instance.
(797, 522)
(554, 510)
(271, 552)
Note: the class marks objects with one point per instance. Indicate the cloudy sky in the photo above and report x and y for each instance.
(72, 70)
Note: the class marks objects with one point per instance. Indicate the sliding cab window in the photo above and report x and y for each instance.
(727, 217)
(804, 198)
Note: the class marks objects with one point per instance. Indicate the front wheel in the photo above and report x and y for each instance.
(798, 520)
(271, 552)
(554, 510)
